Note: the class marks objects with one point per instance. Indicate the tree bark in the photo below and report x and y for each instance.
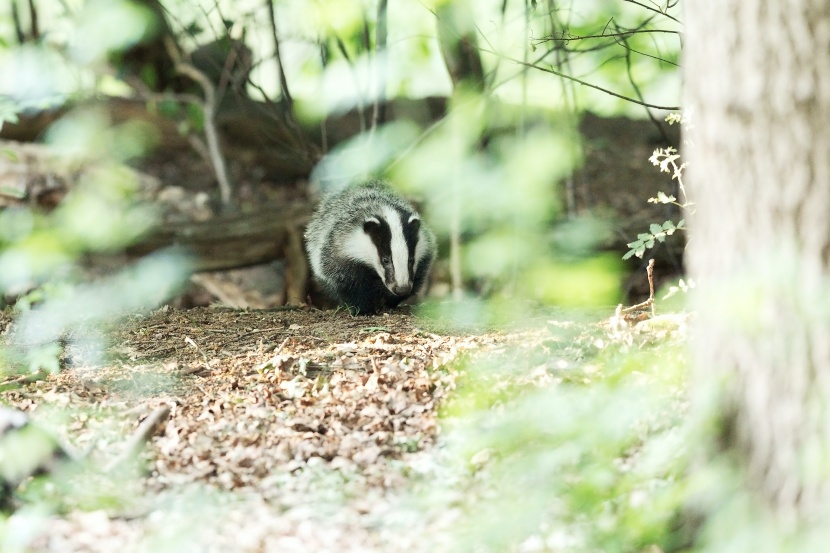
(232, 241)
(758, 92)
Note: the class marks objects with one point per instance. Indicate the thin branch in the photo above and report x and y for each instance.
(597, 48)
(655, 10)
(286, 94)
(40, 374)
(209, 110)
(144, 93)
(655, 58)
(491, 77)
(306, 148)
(381, 29)
(18, 26)
(208, 20)
(626, 34)
(360, 108)
(636, 312)
(583, 83)
(639, 93)
(568, 95)
(367, 39)
(650, 274)
(142, 435)
(562, 38)
(603, 47)
(33, 21)
(456, 279)
(324, 133)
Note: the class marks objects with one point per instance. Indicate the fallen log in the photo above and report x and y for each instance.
(240, 240)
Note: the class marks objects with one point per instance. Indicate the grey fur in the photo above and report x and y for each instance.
(345, 261)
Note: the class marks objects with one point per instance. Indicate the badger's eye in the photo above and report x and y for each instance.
(385, 260)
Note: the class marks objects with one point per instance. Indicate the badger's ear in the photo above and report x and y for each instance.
(414, 221)
(370, 224)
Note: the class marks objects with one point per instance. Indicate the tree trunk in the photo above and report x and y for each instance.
(758, 91)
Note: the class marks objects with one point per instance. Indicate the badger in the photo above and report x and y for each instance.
(368, 248)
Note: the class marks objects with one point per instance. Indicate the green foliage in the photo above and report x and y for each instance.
(666, 159)
(104, 26)
(656, 233)
(573, 445)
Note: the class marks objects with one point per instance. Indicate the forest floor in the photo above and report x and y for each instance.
(288, 430)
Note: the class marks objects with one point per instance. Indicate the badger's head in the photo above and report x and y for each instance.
(388, 241)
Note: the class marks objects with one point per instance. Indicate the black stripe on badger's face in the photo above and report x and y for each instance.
(394, 234)
(411, 229)
(381, 235)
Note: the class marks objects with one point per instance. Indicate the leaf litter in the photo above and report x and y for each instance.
(287, 431)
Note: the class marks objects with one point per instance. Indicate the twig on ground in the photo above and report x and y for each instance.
(642, 306)
(142, 435)
(31, 377)
(190, 341)
(650, 274)
(282, 345)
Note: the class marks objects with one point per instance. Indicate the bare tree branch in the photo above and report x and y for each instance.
(569, 37)
(141, 436)
(639, 93)
(18, 26)
(571, 109)
(367, 39)
(655, 10)
(209, 110)
(286, 94)
(381, 29)
(656, 58)
(300, 144)
(324, 133)
(580, 81)
(33, 21)
(360, 108)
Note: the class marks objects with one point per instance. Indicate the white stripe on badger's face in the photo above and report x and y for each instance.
(359, 246)
(400, 251)
(421, 249)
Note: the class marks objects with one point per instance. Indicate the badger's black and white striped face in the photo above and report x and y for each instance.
(388, 241)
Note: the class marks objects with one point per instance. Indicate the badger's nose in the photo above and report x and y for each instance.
(401, 289)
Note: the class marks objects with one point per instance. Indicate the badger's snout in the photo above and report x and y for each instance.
(401, 289)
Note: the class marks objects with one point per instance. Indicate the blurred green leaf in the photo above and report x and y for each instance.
(104, 26)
